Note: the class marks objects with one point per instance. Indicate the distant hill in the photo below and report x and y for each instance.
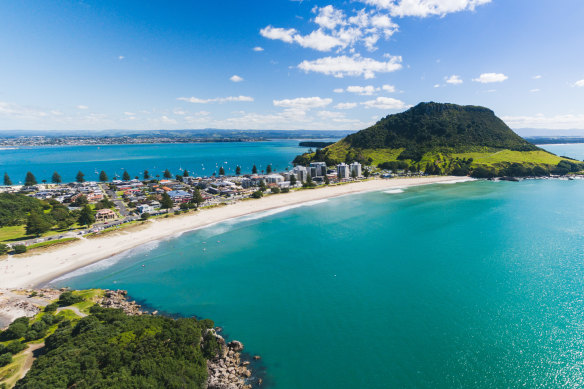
(441, 139)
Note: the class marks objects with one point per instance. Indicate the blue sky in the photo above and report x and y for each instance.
(281, 64)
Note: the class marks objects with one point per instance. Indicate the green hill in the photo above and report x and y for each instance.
(444, 139)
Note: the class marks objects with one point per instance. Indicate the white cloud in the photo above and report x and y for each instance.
(454, 80)
(345, 105)
(303, 103)
(425, 8)
(196, 100)
(121, 57)
(336, 30)
(388, 88)
(537, 77)
(338, 90)
(579, 84)
(82, 107)
(487, 78)
(385, 103)
(275, 33)
(258, 49)
(436, 85)
(329, 17)
(362, 90)
(356, 65)
(236, 78)
(558, 122)
(534, 90)
(129, 114)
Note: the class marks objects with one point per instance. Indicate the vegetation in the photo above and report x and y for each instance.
(126, 176)
(258, 194)
(221, 171)
(4, 249)
(237, 170)
(110, 349)
(56, 178)
(444, 139)
(80, 177)
(86, 216)
(146, 175)
(166, 202)
(14, 208)
(103, 176)
(20, 249)
(7, 180)
(254, 169)
(167, 174)
(30, 179)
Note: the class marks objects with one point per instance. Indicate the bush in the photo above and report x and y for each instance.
(20, 249)
(4, 249)
(258, 194)
(5, 359)
(15, 347)
(51, 307)
(285, 190)
(145, 216)
(275, 190)
(68, 298)
(483, 172)
(16, 330)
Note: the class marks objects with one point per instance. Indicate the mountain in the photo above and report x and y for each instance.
(441, 138)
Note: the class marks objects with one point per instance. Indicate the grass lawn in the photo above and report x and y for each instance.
(51, 243)
(12, 233)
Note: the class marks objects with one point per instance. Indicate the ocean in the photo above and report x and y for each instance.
(200, 159)
(477, 284)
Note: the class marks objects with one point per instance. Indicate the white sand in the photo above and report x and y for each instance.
(30, 270)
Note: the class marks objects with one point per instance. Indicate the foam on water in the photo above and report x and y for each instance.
(394, 191)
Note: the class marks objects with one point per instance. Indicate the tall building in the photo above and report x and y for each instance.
(319, 169)
(301, 173)
(343, 170)
(355, 169)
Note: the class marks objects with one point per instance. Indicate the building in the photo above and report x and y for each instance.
(273, 178)
(104, 215)
(318, 169)
(355, 168)
(301, 173)
(145, 208)
(343, 171)
(180, 196)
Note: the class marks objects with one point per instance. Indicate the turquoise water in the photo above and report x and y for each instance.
(572, 150)
(198, 158)
(468, 285)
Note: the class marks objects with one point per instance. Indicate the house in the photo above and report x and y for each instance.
(180, 196)
(145, 208)
(104, 215)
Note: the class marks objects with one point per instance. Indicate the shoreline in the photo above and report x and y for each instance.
(35, 270)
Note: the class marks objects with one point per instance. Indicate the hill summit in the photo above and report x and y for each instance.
(447, 137)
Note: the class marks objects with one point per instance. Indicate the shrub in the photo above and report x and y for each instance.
(4, 248)
(51, 307)
(145, 216)
(5, 359)
(285, 190)
(15, 347)
(68, 298)
(257, 194)
(20, 249)
(275, 190)
(16, 330)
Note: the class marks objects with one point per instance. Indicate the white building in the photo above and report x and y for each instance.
(273, 179)
(343, 171)
(355, 168)
(301, 173)
(145, 208)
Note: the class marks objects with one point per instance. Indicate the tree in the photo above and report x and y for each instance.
(86, 216)
(178, 177)
(254, 170)
(263, 186)
(19, 249)
(326, 180)
(30, 179)
(146, 175)
(258, 194)
(80, 176)
(221, 171)
(80, 201)
(186, 173)
(197, 197)
(103, 177)
(268, 169)
(56, 178)
(237, 170)
(292, 180)
(166, 202)
(366, 173)
(7, 180)
(126, 176)
(37, 224)
(4, 248)
(167, 174)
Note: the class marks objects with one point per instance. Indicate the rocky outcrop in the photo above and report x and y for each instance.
(119, 299)
(227, 370)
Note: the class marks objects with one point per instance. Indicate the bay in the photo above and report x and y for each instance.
(474, 284)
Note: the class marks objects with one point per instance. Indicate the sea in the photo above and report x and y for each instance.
(464, 285)
(477, 284)
(200, 159)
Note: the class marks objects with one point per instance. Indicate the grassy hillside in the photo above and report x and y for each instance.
(446, 139)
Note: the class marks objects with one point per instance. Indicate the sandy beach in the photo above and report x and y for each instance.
(35, 269)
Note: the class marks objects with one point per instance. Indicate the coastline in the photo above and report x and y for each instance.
(35, 270)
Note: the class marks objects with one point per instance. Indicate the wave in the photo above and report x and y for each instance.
(456, 181)
(394, 191)
(109, 262)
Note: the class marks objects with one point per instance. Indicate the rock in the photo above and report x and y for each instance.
(257, 357)
(235, 345)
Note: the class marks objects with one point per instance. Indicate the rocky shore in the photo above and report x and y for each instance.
(118, 299)
(227, 370)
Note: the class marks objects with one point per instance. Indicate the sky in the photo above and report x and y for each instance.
(283, 64)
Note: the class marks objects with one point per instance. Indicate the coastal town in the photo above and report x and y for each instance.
(94, 206)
